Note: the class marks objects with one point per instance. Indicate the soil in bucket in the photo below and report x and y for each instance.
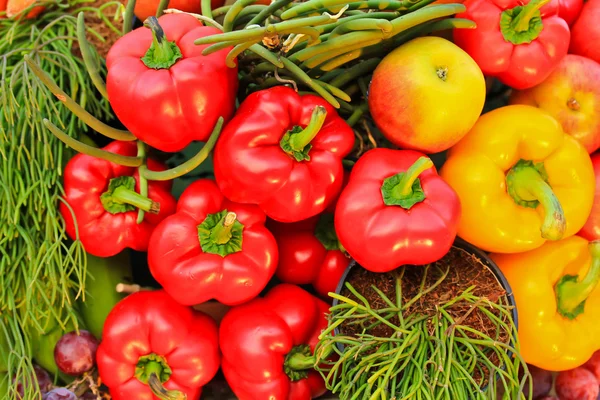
(446, 329)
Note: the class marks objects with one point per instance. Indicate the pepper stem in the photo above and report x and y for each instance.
(120, 197)
(296, 142)
(528, 188)
(404, 189)
(571, 294)
(161, 392)
(405, 186)
(126, 196)
(300, 140)
(521, 21)
(162, 54)
(298, 361)
(221, 234)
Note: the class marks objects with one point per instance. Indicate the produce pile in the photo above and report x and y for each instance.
(285, 200)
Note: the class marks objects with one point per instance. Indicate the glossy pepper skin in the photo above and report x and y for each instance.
(268, 345)
(591, 229)
(310, 253)
(569, 10)
(521, 181)
(153, 347)
(212, 248)
(396, 210)
(558, 299)
(161, 86)
(283, 152)
(107, 218)
(516, 41)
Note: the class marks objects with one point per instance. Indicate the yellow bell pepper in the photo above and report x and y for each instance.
(520, 179)
(558, 301)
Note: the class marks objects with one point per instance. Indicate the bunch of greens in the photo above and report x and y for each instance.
(328, 47)
(432, 355)
(41, 271)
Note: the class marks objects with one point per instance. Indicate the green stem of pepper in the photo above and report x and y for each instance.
(161, 392)
(126, 196)
(529, 189)
(162, 54)
(405, 186)
(572, 294)
(299, 141)
(521, 22)
(221, 233)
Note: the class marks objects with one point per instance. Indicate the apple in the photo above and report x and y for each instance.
(585, 33)
(571, 94)
(426, 94)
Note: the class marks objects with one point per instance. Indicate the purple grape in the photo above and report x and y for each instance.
(542, 381)
(60, 394)
(88, 396)
(43, 379)
(75, 354)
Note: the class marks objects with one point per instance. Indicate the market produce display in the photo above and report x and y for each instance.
(298, 199)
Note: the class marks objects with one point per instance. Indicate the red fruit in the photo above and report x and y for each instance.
(585, 33)
(593, 365)
(577, 384)
(75, 354)
(569, 10)
(548, 398)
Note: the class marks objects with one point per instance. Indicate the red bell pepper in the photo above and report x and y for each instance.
(104, 199)
(311, 254)
(212, 248)
(161, 86)
(283, 152)
(154, 348)
(585, 33)
(591, 229)
(268, 346)
(517, 43)
(396, 210)
(569, 10)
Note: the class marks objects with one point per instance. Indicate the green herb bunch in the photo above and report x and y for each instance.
(42, 272)
(429, 356)
(327, 47)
